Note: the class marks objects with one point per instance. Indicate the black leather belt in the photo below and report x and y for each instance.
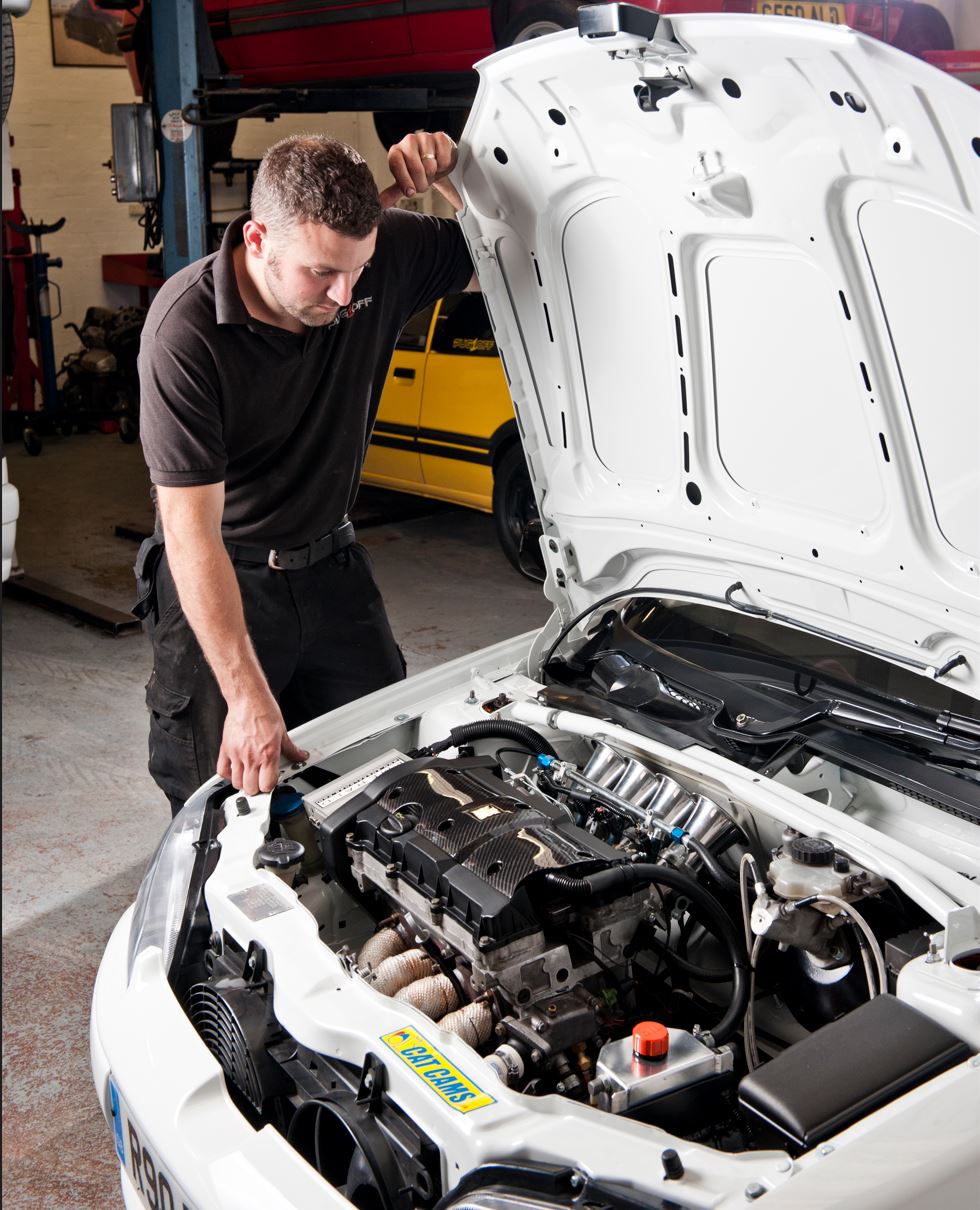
(301, 556)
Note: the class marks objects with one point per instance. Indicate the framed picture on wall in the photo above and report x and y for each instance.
(84, 35)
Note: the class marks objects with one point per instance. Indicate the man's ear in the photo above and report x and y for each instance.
(255, 236)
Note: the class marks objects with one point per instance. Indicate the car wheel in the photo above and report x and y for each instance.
(391, 125)
(7, 36)
(923, 28)
(513, 502)
(548, 17)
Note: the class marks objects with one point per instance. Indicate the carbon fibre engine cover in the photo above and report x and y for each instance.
(474, 847)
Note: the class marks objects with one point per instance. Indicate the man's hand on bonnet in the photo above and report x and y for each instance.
(419, 161)
(254, 736)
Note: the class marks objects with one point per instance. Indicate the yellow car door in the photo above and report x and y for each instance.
(465, 403)
(393, 457)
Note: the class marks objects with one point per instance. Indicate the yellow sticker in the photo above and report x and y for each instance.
(445, 1080)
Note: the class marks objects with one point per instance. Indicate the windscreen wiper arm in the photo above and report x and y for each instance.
(951, 730)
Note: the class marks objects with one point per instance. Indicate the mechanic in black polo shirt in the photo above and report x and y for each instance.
(261, 368)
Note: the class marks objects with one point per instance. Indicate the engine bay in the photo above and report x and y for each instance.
(602, 909)
(597, 930)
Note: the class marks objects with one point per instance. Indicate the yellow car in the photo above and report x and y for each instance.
(446, 426)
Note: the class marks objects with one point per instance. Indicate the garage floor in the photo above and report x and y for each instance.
(80, 813)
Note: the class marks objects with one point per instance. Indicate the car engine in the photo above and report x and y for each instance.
(593, 922)
(484, 937)
(568, 919)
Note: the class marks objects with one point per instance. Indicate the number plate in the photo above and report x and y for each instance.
(157, 1189)
(811, 10)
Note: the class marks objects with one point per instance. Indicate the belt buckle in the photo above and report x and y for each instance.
(274, 561)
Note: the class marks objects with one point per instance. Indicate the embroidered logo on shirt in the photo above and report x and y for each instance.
(351, 309)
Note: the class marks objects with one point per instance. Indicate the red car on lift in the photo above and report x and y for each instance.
(434, 43)
(307, 40)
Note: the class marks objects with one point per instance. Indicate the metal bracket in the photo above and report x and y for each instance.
(223, 97)
(374, 1081)
(558, 570)
(962, 933)
(652, 89)
(254, 968)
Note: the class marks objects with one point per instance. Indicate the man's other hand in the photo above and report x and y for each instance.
(253, 739)
(419, 161)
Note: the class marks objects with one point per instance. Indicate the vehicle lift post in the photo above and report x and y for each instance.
(175, 73)
(175, 40)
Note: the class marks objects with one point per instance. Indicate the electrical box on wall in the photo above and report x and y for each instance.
(134, 154)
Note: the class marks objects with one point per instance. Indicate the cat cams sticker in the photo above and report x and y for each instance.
(445, 1080)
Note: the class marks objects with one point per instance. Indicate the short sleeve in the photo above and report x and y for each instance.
(432, 256)
(181, 426)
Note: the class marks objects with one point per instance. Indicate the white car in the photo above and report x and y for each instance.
(674, 903)
(11, 511)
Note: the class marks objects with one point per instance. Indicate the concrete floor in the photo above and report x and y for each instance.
(80, 813)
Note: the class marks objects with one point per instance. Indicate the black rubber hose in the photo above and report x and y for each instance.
(717, 872)
(621, 879)
(494, 728)
(574, 888)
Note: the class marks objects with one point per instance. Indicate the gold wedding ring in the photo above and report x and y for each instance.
(428, 156)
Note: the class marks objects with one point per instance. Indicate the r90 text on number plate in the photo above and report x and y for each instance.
(156, 1188)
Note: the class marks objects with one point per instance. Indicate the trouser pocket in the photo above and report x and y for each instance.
(173, 763)
(170, 709)
(145, 569)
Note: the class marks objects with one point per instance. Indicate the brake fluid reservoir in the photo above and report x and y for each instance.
(808, 865)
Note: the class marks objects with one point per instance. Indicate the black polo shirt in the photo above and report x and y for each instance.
(282, 418)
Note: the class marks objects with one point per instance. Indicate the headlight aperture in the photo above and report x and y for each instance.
(162, 900)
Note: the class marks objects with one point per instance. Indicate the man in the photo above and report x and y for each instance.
(261, 368)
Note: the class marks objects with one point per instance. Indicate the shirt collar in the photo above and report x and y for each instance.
(228, 304)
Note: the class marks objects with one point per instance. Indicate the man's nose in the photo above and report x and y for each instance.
(341, 289)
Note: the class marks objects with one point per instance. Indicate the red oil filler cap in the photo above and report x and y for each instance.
(650, 1040)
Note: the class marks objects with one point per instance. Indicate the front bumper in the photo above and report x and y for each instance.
(140, 1035)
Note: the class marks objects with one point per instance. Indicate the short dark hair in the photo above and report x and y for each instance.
(312, 178)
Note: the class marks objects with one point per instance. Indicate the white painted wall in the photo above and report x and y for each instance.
(964, 20)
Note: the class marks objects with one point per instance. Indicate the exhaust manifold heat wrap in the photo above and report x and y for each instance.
(434, 996)
(384, 944)
(473, 1023)
(394, 973)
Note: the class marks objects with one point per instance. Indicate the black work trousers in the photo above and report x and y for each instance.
(321, 635)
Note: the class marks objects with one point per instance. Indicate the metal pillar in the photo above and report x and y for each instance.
(175, 75)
